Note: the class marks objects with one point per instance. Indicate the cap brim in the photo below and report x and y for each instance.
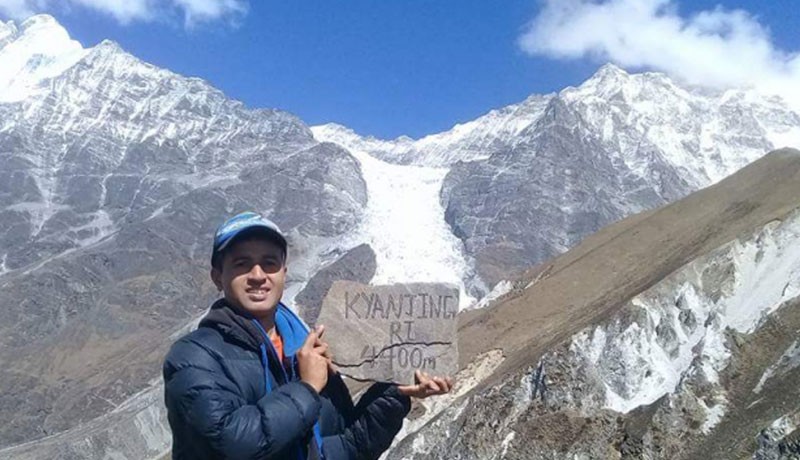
(268, 232)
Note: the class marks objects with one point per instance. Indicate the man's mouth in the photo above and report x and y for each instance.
(257, 294)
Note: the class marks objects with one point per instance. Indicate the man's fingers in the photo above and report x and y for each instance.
(424, 378)
(430, 385)
(321, 349)
(425, 385)
(433, 386)
(311, 340)
(314, 338)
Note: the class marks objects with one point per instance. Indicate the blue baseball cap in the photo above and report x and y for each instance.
(245, 223)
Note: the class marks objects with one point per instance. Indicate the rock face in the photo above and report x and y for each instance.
(536, 200)
(358, 265)
(779, 440)
(682, 350)
(136, 429)
(113, 176)
(385, 333)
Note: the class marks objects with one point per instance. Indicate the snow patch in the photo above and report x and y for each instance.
(787, 362)
(651, 122)
(783, 426)
(768, 274)
(714, 415)
(788, 137)
(156, 435)
(506, 444)
(99, 228)
(473, 140)
(500, 289)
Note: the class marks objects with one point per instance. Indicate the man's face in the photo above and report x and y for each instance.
(252, 276)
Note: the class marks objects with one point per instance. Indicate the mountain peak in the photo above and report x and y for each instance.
(40, 22)
(336, 127)
(107, 48)
(608, 79)
(36, 51)
(32, 29)
(611, 68)
(609, 72)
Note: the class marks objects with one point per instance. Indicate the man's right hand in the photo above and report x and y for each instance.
(313, 360)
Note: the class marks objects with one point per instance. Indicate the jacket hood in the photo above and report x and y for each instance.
(243, 327)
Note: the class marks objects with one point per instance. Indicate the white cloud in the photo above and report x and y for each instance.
(18, 8)
(193, 12)
(124, 11)
(197, 11)
(716, 47)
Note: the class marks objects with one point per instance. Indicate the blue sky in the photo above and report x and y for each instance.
(413, 67)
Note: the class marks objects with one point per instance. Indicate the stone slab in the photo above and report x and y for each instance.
(385, 333)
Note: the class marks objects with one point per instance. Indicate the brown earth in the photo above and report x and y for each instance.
(585, 285)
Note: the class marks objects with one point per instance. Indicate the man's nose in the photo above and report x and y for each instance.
(257, 273)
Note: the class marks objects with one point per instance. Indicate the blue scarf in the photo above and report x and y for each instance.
(293, 332)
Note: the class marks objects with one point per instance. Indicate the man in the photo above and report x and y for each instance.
(254, 382)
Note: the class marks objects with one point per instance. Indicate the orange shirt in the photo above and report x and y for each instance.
(277, 342)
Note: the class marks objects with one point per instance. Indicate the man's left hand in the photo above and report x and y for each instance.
(425, 385)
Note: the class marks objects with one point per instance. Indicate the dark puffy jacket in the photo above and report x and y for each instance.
(222, 404)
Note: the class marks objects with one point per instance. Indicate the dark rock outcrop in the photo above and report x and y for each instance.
(357, 264)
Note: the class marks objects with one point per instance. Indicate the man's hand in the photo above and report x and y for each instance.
(331, 367)
(313, 360)
(425, 385)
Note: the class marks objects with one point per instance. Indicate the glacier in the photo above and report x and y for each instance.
(405, 226)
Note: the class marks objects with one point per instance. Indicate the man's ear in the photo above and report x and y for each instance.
(216, 277)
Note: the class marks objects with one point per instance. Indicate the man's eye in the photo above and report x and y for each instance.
(271, 266)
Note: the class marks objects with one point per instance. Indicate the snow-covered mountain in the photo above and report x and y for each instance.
(531, 180)
(472, 140)
(711, 133)
(113, 173)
